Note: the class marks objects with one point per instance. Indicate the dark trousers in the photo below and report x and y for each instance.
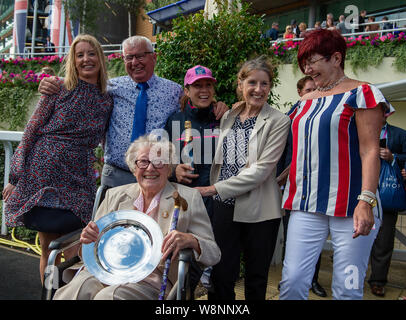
(256, 241)
(381, 253)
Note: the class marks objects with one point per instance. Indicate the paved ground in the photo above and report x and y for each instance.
(19, 275)
(19, 278)
(396, 286)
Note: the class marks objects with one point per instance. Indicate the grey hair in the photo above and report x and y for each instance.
(156, 144)
(133, 41)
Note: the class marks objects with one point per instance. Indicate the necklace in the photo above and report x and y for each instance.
(331, 86)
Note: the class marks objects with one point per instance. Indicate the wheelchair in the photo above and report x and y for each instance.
(183, 289)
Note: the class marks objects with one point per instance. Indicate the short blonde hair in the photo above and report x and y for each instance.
(71, 74)
(156, 144)
(303, 25)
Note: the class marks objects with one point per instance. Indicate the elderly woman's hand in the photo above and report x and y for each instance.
(89, 233)
(363, 219)
(176, 241)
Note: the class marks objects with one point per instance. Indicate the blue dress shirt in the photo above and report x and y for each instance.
(163, 100)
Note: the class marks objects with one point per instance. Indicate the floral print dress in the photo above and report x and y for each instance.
(52, 166)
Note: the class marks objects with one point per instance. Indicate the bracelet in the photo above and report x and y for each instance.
(370, 201)
(368, 194)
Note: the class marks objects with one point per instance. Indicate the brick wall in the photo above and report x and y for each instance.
(143, 27)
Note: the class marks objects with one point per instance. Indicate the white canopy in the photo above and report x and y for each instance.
(393, 91)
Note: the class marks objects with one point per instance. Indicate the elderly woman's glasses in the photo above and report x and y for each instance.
(143, 164)
(140, 57)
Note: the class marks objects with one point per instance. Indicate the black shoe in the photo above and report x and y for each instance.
(318, 289)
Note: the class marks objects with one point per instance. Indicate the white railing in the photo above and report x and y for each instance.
(61, 51)
(7, 137)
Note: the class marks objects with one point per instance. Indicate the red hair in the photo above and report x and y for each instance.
(324, 42)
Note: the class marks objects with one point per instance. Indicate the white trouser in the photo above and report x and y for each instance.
(307, 233)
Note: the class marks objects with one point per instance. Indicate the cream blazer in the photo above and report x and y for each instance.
(256, 192)
(194, 220)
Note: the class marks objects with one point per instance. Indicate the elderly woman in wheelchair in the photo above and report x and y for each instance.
(151, 161)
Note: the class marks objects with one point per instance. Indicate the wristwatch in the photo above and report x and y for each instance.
(370, 201)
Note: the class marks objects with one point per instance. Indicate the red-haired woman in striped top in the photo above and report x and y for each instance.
(333, 178)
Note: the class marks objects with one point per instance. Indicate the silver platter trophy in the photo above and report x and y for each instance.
(127, 249)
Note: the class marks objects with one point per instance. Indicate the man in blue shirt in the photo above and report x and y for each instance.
(163, 100)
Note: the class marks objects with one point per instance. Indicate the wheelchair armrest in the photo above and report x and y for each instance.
(186, 255)
(65, 240)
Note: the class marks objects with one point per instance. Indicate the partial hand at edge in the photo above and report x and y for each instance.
(184, 173)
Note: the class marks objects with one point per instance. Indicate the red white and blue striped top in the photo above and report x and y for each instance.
(325, 172)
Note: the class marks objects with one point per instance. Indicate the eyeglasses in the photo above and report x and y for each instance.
(143, 164)
(140, 57)
(311, 63)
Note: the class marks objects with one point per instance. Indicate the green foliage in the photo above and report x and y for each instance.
(132, 6)
(14, 106)
(156, 4)
(362, 53)
(360, 58)
(98, 164)
(400, 58)
(24, 234)
(86, 12)
(222, 44)
(116, 68)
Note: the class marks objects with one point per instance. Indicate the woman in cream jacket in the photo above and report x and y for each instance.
(247, 206)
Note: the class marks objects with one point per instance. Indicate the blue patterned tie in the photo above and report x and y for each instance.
(140, 114)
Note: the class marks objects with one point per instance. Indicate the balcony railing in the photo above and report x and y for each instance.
(61, 51)
(355, 34)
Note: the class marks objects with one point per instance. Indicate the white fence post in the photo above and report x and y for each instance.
(7, 137)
